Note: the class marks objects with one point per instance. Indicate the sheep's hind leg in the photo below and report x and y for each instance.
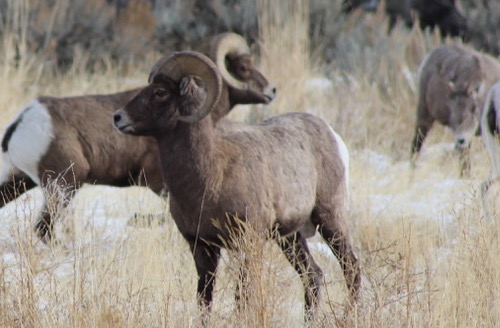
(14, 187)
(44, 226)
(57, 198)
(338, 241)
(296, 251)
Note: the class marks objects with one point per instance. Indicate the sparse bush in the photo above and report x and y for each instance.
(127, 30)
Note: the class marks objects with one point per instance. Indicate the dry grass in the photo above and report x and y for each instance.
(428, 257)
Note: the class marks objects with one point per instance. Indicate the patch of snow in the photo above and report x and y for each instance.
(320, 246)
(9, 259)
(394, 193)
(319, 83)
(378, 162)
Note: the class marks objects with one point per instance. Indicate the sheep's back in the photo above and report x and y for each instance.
(286, 164)
(83, 126)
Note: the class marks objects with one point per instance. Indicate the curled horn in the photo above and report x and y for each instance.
(222, 45)
(180, 64)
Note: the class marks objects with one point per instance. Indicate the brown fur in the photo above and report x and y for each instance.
(453, 82)
(100, 155)
(285, 173)
(95, 155)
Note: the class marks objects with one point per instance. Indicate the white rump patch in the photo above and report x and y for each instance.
(344, 154)
(31, 139)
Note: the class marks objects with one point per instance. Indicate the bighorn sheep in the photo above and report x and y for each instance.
(490, 132)
(69, 139)
(453, 82)
(286, 174)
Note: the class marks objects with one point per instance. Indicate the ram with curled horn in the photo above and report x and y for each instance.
(285, 177)
(68, 139)
(233, 58)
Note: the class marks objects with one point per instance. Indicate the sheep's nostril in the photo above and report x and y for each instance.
(273, 90)
(461, 141)
(117, 117)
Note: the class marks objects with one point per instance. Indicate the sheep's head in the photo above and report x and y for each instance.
(183, 86)
(464, 82)
(234, 61)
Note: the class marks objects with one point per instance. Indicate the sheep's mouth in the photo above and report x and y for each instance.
(127, 128)
(268, 98)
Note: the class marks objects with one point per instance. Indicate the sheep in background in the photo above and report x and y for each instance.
(453, 82)
(287, 174)
(68, 140)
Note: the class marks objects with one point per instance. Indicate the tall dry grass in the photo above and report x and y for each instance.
(428, 257)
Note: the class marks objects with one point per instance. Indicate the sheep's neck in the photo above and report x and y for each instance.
(189, 163)
(223, 107)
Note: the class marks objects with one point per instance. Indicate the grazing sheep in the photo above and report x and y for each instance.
(69, 139)
(490, 132)
(453, 82)
(287, 174)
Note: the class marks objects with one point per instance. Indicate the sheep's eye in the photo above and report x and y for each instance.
(244, 69)
(160, 93)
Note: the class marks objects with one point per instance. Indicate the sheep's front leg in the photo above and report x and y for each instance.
(206, 258)
(423, 125)
(421, 132)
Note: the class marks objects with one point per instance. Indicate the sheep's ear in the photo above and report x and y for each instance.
(481, 89)
(476, 62)
(192, 65)
(193, 93)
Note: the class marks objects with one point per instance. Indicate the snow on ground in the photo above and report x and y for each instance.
(97, 212)
(395, 189)
(107, 209)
